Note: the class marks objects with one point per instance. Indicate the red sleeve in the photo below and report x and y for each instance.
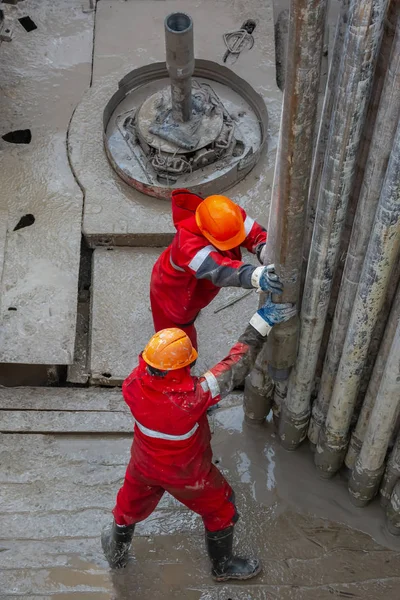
(203, 398)
(232, 370)
(256, 235)
(196, 256)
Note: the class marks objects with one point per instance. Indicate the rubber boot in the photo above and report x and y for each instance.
(116, 541)
(224, 564)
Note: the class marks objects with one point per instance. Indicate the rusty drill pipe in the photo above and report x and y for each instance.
(387, 92)
(381, 257)
(290, 191)
(361, 47)
(180, 63)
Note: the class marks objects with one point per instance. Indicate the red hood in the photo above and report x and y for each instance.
(174, 381)
(184, 205)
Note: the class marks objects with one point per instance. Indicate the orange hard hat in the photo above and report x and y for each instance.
(169, 349)
(220, 221)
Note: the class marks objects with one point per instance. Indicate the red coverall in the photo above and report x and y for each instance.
(190, 272)
(171, 446)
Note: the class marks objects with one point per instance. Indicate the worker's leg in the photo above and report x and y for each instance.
(212, 497)
(162, 321)
(136, 500)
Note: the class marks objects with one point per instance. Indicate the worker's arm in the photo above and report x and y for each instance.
(256, 236)
(206, 262)
(231, 371)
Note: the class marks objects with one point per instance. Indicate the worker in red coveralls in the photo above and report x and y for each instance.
(171, 448)
(204, 256)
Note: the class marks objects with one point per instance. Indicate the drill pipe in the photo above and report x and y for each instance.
(374, 173)
(377, 368)
(361, 47)
(392, 473)
(393, 511)
(382, 255)
(180, 63)
(323, 131)
(370, 463)
(290, 188)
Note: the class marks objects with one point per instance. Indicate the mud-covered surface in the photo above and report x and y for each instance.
(56, 493)
(43, 74)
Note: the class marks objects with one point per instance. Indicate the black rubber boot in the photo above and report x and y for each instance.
(116, 541)
(224, 565)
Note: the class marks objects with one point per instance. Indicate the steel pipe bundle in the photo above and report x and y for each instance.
(358, 434)
(379, 151)
(382, 254)
(370, 464)
(356, 177)
(361, 47)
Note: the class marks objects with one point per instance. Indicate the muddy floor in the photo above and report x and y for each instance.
(56, 492)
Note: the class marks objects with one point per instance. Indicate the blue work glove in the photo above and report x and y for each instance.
(265, 279)
(271, 314)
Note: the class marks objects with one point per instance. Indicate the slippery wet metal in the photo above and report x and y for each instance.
(131, 218)
(361, 46)
(383, 112)
(245, 108)
(290, 190)
(381, 256)
(358, 434)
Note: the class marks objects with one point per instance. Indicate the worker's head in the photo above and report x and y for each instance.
(220, 221)
(168, 350)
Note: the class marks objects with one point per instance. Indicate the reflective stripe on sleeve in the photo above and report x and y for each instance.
(166, 436)
(200, 257)
(174, 266)
(248, 224)
(212, 384)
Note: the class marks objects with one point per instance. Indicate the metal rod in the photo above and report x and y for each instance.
(323, 131)
(381, 256)
(293, 166)
(232, 302)
(387, 90)
(393, 511)
(180, 63)
(357, 437)
(291, 182)
(370, 464)
(361, 47)
(392, 473)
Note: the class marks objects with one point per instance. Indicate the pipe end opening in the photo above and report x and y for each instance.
(178, 22)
